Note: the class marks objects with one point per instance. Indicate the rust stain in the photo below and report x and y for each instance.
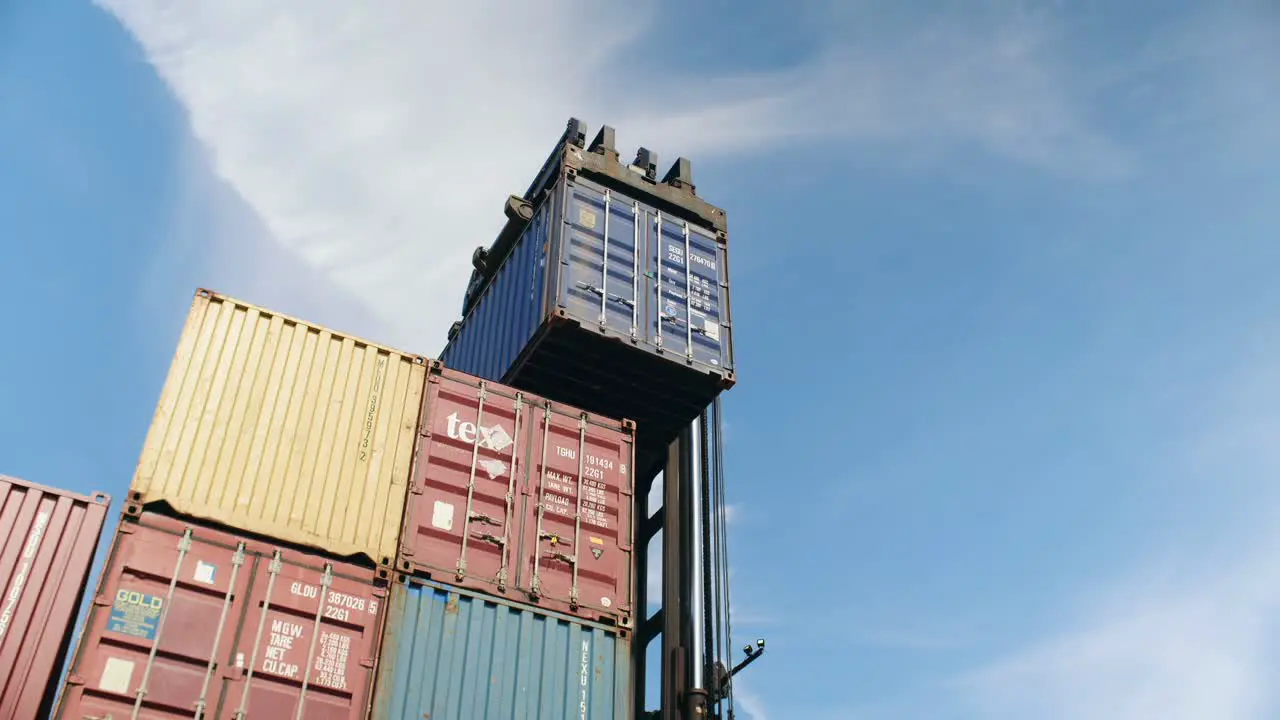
(451, 607)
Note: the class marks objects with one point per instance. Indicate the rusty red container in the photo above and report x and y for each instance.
(48, 538)
(191, 621)
(523, 498)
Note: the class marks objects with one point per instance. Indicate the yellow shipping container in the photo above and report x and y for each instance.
(285, 429)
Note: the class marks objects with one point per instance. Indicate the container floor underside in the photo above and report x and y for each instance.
(134, 510)
(609, 376)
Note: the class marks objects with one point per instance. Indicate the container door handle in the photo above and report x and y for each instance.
(471, 483)
(535, 586)
(511, 492)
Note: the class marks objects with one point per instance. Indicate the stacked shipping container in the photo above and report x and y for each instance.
(322, 527)
(520, 497)
(286, 429)
(196, 622)
(450, 653)
(613, 297)
(516, 580)
(249, 575)
(304, 496)
(48, 538)
(607, 289)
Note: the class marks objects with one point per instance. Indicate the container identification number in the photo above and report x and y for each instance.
(675, 254)
(338, 606)
(593, 465)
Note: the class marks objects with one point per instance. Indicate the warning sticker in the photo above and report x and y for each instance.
(135, 614)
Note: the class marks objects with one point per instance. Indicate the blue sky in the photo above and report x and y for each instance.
(1003, 441)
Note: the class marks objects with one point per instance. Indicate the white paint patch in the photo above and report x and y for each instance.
(117, 673)
(442, 516)
(494, 468)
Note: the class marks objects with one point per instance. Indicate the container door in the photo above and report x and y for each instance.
(688, 321)
(308, 644)
(461, 524)
(159, 634)
(578, 529)
(599, 262)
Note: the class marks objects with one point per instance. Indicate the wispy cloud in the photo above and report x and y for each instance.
(748, 702)
(376, 144)
(1186, 648)
(1189, 632)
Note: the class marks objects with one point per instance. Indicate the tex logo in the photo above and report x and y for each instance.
(490, 438)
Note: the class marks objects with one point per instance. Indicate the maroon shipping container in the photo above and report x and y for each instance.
(193, 622)
(48, 538)
(522, 498)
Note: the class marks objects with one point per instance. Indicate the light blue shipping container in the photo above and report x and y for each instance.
(614, 298)
(453, 655)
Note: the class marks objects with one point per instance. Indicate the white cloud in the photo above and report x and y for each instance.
(747, 701)
(1188, 648)
(732, 514)
(377, 143)
(1190, 632)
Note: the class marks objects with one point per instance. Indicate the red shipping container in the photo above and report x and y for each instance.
(193, 622)
(48, 538)
(522, 498)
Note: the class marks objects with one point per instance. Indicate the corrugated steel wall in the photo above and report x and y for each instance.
(450, 654)
(512, 308)
(48, 538)
(283, 428)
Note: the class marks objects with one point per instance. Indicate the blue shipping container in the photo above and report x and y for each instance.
(610, 300)
(453, 655)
